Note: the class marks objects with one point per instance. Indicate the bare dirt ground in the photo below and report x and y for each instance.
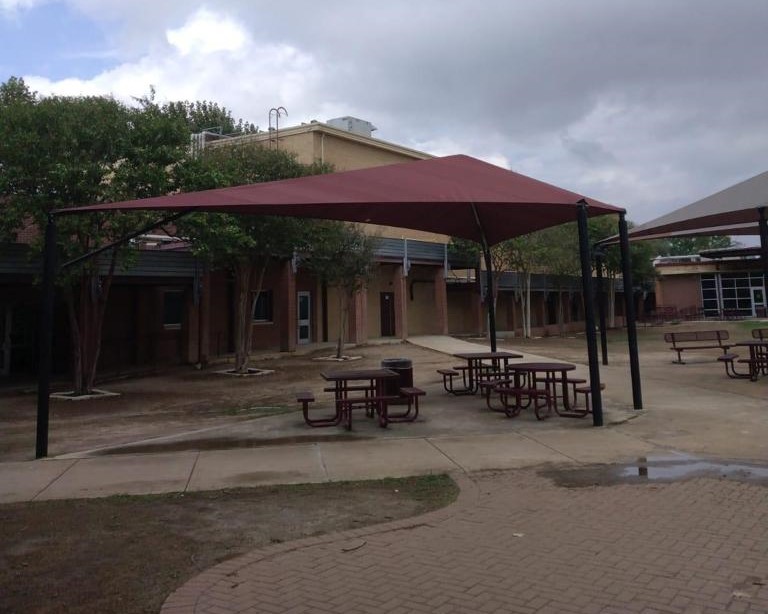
(137, 550)
(181, 399)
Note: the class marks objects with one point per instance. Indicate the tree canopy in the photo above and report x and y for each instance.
(244, 244)
(58, 152)
(685, 246)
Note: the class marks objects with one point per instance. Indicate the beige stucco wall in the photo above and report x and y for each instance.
(462, 318)
(422, 314)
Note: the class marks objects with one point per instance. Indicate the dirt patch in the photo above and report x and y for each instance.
(235, 412)
(127, 554)
(181, 399)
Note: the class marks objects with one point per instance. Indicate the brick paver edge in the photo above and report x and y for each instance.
(185, 598)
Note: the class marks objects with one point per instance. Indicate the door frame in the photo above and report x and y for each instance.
(388, 299)
(753, 290)
(306, 321)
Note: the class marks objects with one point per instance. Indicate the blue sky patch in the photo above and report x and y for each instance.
(51, 41)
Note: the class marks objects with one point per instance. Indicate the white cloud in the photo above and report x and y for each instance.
(206, 33)
(12, 6)
(209, 57)
(647, 105)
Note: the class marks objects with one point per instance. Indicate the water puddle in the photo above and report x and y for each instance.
(663, 468)
(221, 443)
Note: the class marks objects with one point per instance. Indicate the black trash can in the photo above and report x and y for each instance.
(404, 368)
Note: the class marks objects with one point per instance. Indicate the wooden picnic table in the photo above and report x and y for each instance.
(478, 368)
(361, 388)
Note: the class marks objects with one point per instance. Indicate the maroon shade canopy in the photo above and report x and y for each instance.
(454, 195)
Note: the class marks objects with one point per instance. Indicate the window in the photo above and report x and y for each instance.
(173, 309)
(262, 307)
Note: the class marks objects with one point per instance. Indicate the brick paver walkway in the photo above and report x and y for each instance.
(516, 542)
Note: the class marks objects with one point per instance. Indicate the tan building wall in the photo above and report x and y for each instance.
(464, 309)
(682, 291)
(420, 297)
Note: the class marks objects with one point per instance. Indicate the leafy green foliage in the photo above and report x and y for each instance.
(341, 255)
(205, 115)
(684, 246)
(223, 239)
(243, 244)
(60, 152)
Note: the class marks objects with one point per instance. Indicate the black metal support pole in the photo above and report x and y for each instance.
(489, 295)
(589, 315)
(629, 301)
(46, 337)
(599, 264)
(489, 278)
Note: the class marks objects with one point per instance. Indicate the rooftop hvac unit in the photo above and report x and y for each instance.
(352, 124)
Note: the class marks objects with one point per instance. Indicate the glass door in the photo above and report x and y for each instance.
(758, 302)
(304, 313)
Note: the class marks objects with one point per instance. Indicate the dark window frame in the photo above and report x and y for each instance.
(173, 311)
(263, 311)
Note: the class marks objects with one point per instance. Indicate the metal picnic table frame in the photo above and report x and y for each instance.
(373, 397)
(478, 369)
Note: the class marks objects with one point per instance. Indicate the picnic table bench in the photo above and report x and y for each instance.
(369, 394)
(697, 340)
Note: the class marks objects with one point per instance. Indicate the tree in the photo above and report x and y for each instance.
(341, 255)
(559, 258)
(641, 255)
(471, 251)
(684, 246)
(242, 244)
(205, 115)
(524, 253)
(61, 152)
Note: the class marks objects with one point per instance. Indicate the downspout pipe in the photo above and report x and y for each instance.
(589, 313)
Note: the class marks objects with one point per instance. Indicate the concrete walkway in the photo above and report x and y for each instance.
(397, 454)
(515, 541)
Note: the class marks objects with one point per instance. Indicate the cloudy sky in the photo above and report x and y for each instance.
(646, 104)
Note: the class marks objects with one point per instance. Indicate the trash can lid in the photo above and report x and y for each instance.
(389, 363)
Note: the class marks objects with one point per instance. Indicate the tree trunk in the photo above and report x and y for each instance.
(611, 302)
(345, 299)
(74, 335)
(98, 298)
(249, 278)
(527, 306)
